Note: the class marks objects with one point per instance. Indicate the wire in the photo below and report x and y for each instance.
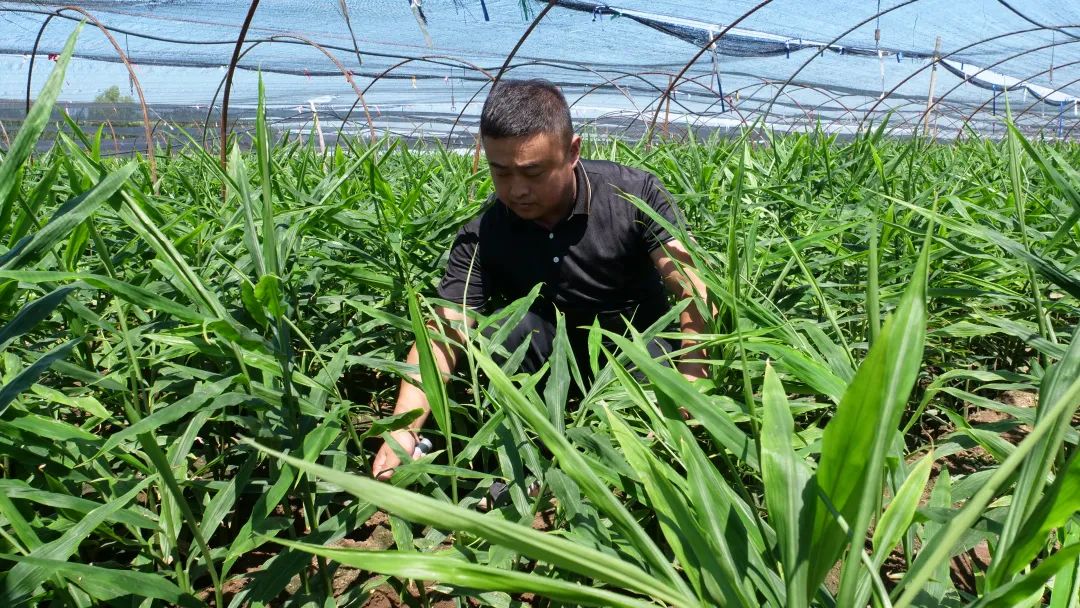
(351, 50)
(1036, 23)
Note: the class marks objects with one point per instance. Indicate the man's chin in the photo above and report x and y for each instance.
(526, 212)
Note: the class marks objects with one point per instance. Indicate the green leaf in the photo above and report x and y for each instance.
(670, 505)
(677, 388)
(1067, 581)
(1060, 503)
(558, 381)
(106, 584)
(34, 123)
(197, 400)
(814, 374)
(1048, 268)
(734, 529)
(268, 292)
(1027, 525)
(939, 550)
(133, 294)
(1015, 592)
(22, 528)
(575, 466)
(20, 490)
(27, 377)
(251, 534)
(24, 578)
(86, 403)
(266, 186)
(522, 539)
(453, 571)
(898, 516)
(72, 214)
(390, 423)
(48, 428)
(252, 305)
(854, 443)
(431, 379)
(30, 315)
(790, 493)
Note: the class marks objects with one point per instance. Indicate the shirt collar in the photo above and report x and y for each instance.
(583, 200)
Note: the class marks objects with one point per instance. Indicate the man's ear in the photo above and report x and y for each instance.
(575, 149)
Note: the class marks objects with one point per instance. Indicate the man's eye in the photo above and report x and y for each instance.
(533, 172)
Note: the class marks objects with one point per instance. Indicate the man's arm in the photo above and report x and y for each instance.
(412, 397)
(676, 268)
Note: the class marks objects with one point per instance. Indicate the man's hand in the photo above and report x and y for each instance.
(386, 460)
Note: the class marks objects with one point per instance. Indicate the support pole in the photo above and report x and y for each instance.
(933, 83)
(667, 107)
(318, 128)
(1061, 119)
(716, 73)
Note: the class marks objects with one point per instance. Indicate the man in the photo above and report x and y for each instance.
(564, 223)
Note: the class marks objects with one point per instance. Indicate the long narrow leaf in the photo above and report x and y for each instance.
(855, 440)
(27, 377)
(110, 583)
(524, 540)
(66, 219)
(34, 123)
(448, 570)
(790, 492)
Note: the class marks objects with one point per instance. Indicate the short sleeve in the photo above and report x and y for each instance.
(659, 199)
(464, 277)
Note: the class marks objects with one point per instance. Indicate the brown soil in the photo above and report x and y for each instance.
(963, 568)
(976, 458)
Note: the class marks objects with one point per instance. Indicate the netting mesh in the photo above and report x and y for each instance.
(945, 68)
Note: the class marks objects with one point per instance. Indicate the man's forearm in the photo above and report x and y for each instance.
(692, 324)
(676, 268)
(411, 396)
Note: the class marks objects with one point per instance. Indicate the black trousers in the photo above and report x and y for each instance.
(539, 330)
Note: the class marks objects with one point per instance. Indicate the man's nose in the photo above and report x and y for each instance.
(519, 189)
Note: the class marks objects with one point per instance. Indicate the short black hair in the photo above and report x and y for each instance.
(517, 108)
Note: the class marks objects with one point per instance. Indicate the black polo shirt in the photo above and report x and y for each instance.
(594, 263)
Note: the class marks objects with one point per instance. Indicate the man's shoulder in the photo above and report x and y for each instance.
(493, 214)
(615, 175)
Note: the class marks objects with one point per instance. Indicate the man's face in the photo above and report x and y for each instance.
(534, 174)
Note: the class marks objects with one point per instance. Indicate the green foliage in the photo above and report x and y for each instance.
(112, 95)
(145, 333)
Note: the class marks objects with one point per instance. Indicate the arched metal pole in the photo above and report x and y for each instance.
(33, 56)
(678, 78)
(150, 156)
(224, 143)
(929, 65)
(820, 52)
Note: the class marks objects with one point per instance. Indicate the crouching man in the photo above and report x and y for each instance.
(567, 224)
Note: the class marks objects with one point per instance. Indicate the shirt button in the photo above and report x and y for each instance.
(555, 259)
